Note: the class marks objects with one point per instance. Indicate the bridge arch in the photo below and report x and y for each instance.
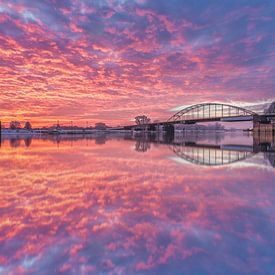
(210, 110)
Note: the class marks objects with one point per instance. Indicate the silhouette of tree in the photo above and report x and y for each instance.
(28, 125)
(100, 126)
(141, 120)
(15, 125)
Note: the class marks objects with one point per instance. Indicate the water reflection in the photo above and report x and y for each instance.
(97, 205)
(211, 155)
(142, 145)
(211, 149)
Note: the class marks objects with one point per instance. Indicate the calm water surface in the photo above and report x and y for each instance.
(116, 205)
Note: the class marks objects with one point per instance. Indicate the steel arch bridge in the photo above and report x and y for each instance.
(212, 111)
(210, 155)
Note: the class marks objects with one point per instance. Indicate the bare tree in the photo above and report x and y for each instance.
(142, 120)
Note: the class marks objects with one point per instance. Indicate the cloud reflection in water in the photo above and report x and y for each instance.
(86, 207)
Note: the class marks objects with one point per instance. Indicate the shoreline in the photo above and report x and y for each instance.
(56, 132)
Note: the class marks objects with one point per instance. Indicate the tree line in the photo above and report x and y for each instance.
(14, 125)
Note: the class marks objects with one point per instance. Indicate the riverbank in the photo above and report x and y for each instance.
(37, 132)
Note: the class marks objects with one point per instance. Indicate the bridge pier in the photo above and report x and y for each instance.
(152, 128)
(169, 129)
(263, 126)
(159, 128)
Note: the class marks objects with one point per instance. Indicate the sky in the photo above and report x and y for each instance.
(111, 60)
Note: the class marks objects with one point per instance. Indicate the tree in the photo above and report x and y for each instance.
(100, 126)
(142, 120)
(28, 125)
(15, 125)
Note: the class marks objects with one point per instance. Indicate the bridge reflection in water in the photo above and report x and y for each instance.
(211, 155)
(209, 150)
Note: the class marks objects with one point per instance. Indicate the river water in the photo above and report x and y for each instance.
(108, 204)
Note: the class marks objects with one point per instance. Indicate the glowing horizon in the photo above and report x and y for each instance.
(110, 60)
